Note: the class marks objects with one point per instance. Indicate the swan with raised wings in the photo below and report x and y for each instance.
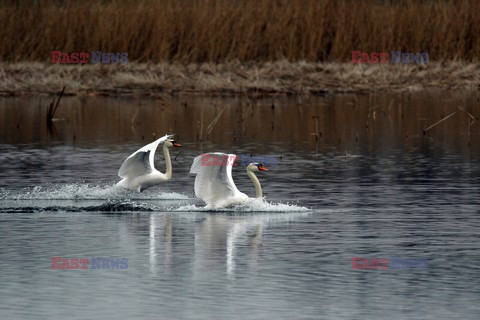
(138, 170)
(214, 183)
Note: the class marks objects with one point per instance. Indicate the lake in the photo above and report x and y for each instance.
(377, 176)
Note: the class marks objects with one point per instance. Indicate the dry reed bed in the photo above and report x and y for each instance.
(280, 77)
(248, 30)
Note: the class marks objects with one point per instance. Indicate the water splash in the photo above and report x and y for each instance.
(252, 205)
(79, 191)
(78, 197)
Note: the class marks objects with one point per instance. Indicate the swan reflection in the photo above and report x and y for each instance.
(221, 243)
(152, 251)
(155, 231)
(229, 240)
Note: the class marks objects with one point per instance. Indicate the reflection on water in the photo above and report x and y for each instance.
(375, 187)
(153, 252)
(215, 239)
(346, 123)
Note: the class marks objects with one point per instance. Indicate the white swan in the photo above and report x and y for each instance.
(214, 183)
(138, 170)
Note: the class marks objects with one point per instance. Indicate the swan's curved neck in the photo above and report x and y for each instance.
(166, 153)
(256, 183)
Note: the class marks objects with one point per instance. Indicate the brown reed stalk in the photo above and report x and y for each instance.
(214, 121)
(245, 30)
(52, 108)
(439, 121)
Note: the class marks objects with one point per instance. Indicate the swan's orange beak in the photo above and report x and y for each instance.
(262, 168)
(176, 144)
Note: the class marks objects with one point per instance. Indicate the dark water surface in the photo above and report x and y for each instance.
(356, 177)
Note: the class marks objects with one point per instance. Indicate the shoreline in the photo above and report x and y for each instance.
(232, 79)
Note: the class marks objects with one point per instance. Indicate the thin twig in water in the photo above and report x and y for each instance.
(470, 122)
(469, 114)
(201, 124)
(439, 121)
(134, 118)
(53, 107)
(214, 121)
(175, 159)
(316, 134)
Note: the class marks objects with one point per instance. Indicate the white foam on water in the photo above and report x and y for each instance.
(120, 199)
(252, 205)
(85, 191)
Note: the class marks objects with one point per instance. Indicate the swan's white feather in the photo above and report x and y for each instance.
(141, 162)
(214, 183)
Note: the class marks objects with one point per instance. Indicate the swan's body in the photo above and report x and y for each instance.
(138, 170)
(214, 183)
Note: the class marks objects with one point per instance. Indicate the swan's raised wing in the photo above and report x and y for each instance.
(214, 177)
(141, 161)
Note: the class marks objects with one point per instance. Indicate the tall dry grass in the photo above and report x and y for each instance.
(248, 30)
